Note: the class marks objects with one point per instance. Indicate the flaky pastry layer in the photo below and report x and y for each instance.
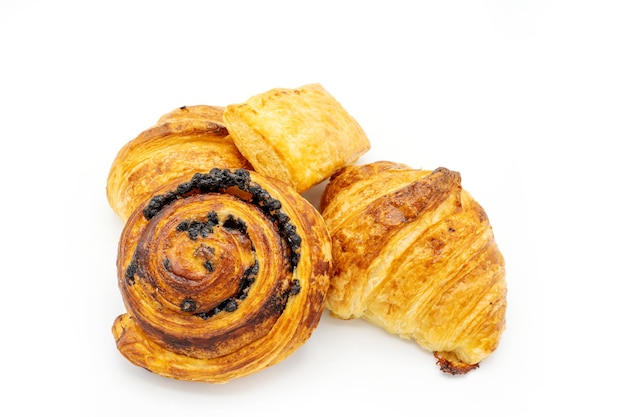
(186, 140)
(300, 136)
(222, 275)
(415, 254)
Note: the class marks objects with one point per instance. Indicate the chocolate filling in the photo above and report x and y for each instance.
(219, 181)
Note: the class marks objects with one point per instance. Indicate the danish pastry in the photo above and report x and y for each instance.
(186, 140)
(415, 254)
(301, 136)
(222, 274)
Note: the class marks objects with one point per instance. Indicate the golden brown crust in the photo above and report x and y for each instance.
(450, 364)
(300, 136)
(186, 140)
(415, 254)
(222, 274)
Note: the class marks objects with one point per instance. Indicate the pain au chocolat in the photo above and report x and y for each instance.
(222, 275)
(301, 136)
(415, 254)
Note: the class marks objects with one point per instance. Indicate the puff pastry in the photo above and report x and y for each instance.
(415, 254)
(301, 136)
(222, 274)
(186, 140)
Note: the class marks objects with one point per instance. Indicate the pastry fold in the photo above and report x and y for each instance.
(222, 274)
(186, 140)
(415, 254)
(300, 136)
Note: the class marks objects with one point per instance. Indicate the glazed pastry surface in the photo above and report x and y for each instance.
(186, 140)
(415, 254)
(301, 136)
(222, 274)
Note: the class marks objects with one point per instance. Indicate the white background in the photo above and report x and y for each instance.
(527, 99)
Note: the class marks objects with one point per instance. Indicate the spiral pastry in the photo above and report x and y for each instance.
(222, 274)
(184, 141)
(415, 254)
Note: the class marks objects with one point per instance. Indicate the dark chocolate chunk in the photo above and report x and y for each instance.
(232, 223)
(229, 305)
(208, 265)
(131, 270)
(188, 305)
(294, 289)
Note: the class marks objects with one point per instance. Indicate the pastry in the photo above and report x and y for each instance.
(222, 275)
(186, 140)
(415, 254)
(301, 136)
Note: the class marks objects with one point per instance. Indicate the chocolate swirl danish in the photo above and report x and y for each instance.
(222, 274)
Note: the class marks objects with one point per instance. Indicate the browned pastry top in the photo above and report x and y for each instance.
(415, 254)
(186, 140)
(300, 136)
(222, 275)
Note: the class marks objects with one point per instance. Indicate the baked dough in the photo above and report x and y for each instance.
(300, 136)
(415, 254)
(222, 274)
(186, 140)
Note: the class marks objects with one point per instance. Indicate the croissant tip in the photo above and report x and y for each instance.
(454, 367)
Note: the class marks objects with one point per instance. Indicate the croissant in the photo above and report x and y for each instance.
(222, 274)
(300, 136)
(186, 140)
(415, 254)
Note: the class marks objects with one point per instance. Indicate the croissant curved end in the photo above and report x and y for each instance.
(450, 364)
